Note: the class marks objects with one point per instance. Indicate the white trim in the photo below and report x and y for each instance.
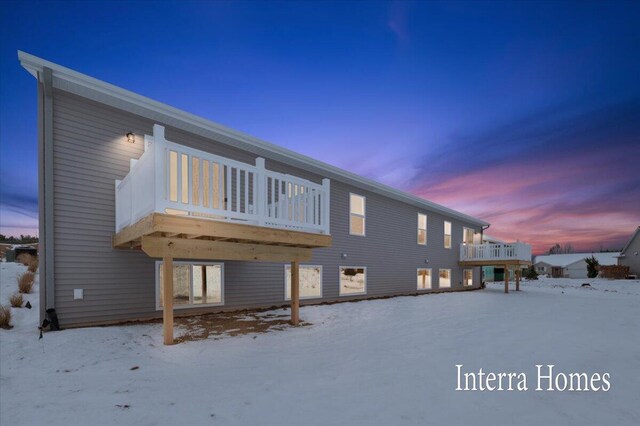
(303, 266)
(190, 306)
(426, 233)
(340, 268)
(464, 271)
(108, 94)
(363, 216)
(430, 279)
(450, 275)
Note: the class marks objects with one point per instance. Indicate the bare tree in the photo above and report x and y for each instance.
(558, 249)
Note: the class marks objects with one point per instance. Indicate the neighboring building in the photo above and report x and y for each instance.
(630, 254)
(571, 265)
(128, 184)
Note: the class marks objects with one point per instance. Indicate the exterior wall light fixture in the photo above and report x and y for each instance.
(131, 137)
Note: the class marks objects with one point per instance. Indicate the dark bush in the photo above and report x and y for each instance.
(530, 273)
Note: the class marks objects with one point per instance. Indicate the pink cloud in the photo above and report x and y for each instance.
(577, 201)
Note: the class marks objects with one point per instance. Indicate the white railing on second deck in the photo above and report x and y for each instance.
(497, 252)
(175, 179)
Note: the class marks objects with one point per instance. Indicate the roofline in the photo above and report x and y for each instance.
(633, 237)
(65, 78)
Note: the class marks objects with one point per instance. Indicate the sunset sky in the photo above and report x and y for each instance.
(524, 114)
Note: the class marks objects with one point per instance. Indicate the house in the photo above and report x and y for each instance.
(630, 254)
(147, 211)
(571, 265)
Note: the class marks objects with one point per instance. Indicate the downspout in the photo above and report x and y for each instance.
(482, 232)
(45, 190)
(482, 282)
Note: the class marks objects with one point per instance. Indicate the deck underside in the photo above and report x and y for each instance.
(161, 235)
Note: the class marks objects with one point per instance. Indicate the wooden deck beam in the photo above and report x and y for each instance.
(133, 232)
(180, 248)
(198, 228)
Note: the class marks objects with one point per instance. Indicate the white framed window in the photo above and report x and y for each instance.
(424, 279)
(310, 281)
(468, 278)
(468, 235)
(447, 234)
(353, 280)
(195, 284)
(357, 213)
(422, 229)
(445, 278)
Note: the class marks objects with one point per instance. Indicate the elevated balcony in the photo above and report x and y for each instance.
(181, 203)
(177, 180)
(495, 254)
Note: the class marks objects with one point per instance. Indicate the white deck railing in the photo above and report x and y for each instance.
(175, 179)
(508, 251)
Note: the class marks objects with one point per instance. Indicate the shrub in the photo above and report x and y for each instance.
(614, 271)
(16, 300)
(530, 273)
(5, 316)
(25, 282)
(24, 258)
(33, 265)
(592, 266)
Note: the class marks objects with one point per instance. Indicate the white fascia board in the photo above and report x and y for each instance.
(83, 85)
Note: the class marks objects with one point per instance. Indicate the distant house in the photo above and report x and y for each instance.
(630, 254)
(571, 265)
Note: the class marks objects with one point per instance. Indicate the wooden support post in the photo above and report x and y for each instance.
(506, 278)
(167, 299)
(295, 292)
(518, 272)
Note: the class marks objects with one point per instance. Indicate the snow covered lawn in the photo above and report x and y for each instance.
(384, 362)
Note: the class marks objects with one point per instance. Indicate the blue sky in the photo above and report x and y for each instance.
(526, 114)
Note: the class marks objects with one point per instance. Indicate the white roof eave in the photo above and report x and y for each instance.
(83, 85)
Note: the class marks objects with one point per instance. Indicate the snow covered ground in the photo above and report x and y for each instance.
(384, 362)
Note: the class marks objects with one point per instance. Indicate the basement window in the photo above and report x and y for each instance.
(353, 280)
(468, 278)
(310, 281)
(357, 208)
(424, 279)
(445, 278)
(194, 284)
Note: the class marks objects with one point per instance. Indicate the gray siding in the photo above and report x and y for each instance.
(632, 256)
(90, 153)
